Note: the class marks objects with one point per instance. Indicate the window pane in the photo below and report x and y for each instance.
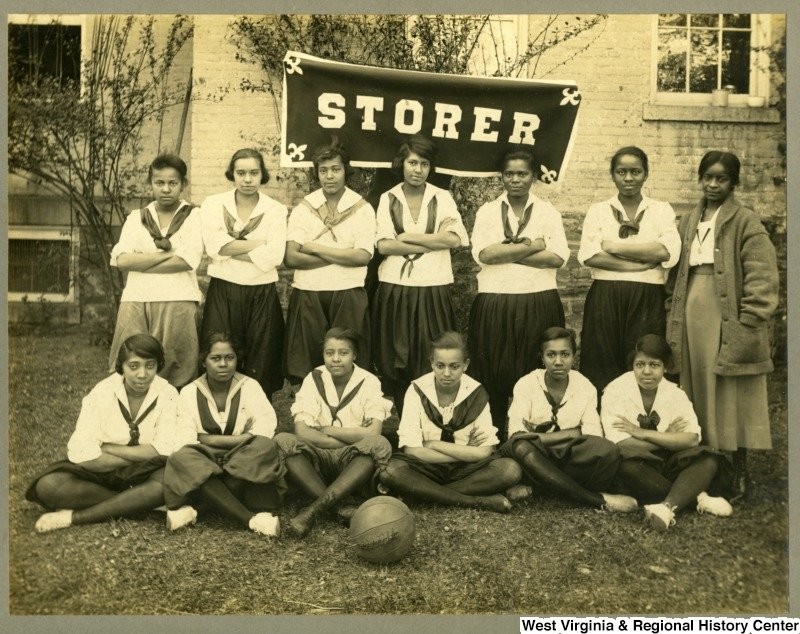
(672, 19)
(736, 20)
(672, 46)
(38, 266)
(703, 64)
(736, 60)
(39, 51)
(705, 19)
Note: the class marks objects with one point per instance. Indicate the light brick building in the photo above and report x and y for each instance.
(615, 65)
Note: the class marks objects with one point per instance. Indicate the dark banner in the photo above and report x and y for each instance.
(473, 120)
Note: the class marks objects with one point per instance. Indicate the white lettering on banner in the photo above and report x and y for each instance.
(447, 116)
(525, 125)
(408, 118)
(657, 625)
(483, 117)
(404, 106)
(331, 117)
(369, 105)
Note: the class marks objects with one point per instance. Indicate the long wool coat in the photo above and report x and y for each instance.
(746, 276)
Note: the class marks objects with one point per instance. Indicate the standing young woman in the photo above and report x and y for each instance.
(160, 247)
(129, 423)
(519, 242)
(330, 240)
(555, 431)
(418, 224)
(721, 297)
(244, 231)
(235, 467)
(337, 444)
(653, 423)
(629, 242)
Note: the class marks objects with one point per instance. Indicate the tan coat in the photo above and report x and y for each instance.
(746, 276)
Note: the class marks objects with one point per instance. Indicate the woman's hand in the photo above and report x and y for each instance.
(678, 425)
(624, 425)
(476, 437)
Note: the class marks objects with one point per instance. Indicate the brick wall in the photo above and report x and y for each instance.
(614, 77)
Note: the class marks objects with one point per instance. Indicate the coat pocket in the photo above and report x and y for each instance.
(747, 344)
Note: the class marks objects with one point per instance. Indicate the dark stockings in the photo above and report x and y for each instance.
(544, 473)
(216, 491)
(649, 486)
(91, 502)
(399, 476)
(301, 470)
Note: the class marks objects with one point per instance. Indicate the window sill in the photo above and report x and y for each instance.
(713, 114)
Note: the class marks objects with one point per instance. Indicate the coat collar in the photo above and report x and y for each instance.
(727, 211)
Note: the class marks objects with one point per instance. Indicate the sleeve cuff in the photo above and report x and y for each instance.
(263, 258)
(750, 320)
(192, 259)
(85, 455)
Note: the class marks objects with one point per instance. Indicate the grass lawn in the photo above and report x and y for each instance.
(545, 557)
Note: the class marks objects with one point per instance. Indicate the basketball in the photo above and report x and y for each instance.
(382, 530)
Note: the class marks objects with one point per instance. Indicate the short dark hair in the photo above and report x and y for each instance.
(418, 144)
(219, 337)
(331, 151)
(246, 153)
(729, 161)
(653, 346)
(520, 154)
(346, 334)
(450, 340)
(557, 332)
(630, 150)
(142, 345)
(166, 160)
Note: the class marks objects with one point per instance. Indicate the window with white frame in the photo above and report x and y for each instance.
(696, 53)
(41, 263)
(46, 47)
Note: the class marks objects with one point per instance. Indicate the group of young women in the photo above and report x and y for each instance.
(695, 299)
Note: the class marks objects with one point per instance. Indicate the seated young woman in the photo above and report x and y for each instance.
(337, 444)
(448, 438)
(234, 467)
(129, 423)
(555, 430)
(654, 425)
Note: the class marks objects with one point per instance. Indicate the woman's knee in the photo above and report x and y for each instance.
(394, 473)
(49, 489)
(508, 471)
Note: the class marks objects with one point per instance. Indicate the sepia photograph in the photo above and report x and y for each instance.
(344, 314)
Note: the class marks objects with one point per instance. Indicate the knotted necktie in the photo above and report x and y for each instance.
(396, 213)
(627, 227)
(345, 400)
(331, 219)
(162, 242)
(649, 421)
(133, 425)
(464, 413)
(248, 228)
(510, 236)
(552, 424)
